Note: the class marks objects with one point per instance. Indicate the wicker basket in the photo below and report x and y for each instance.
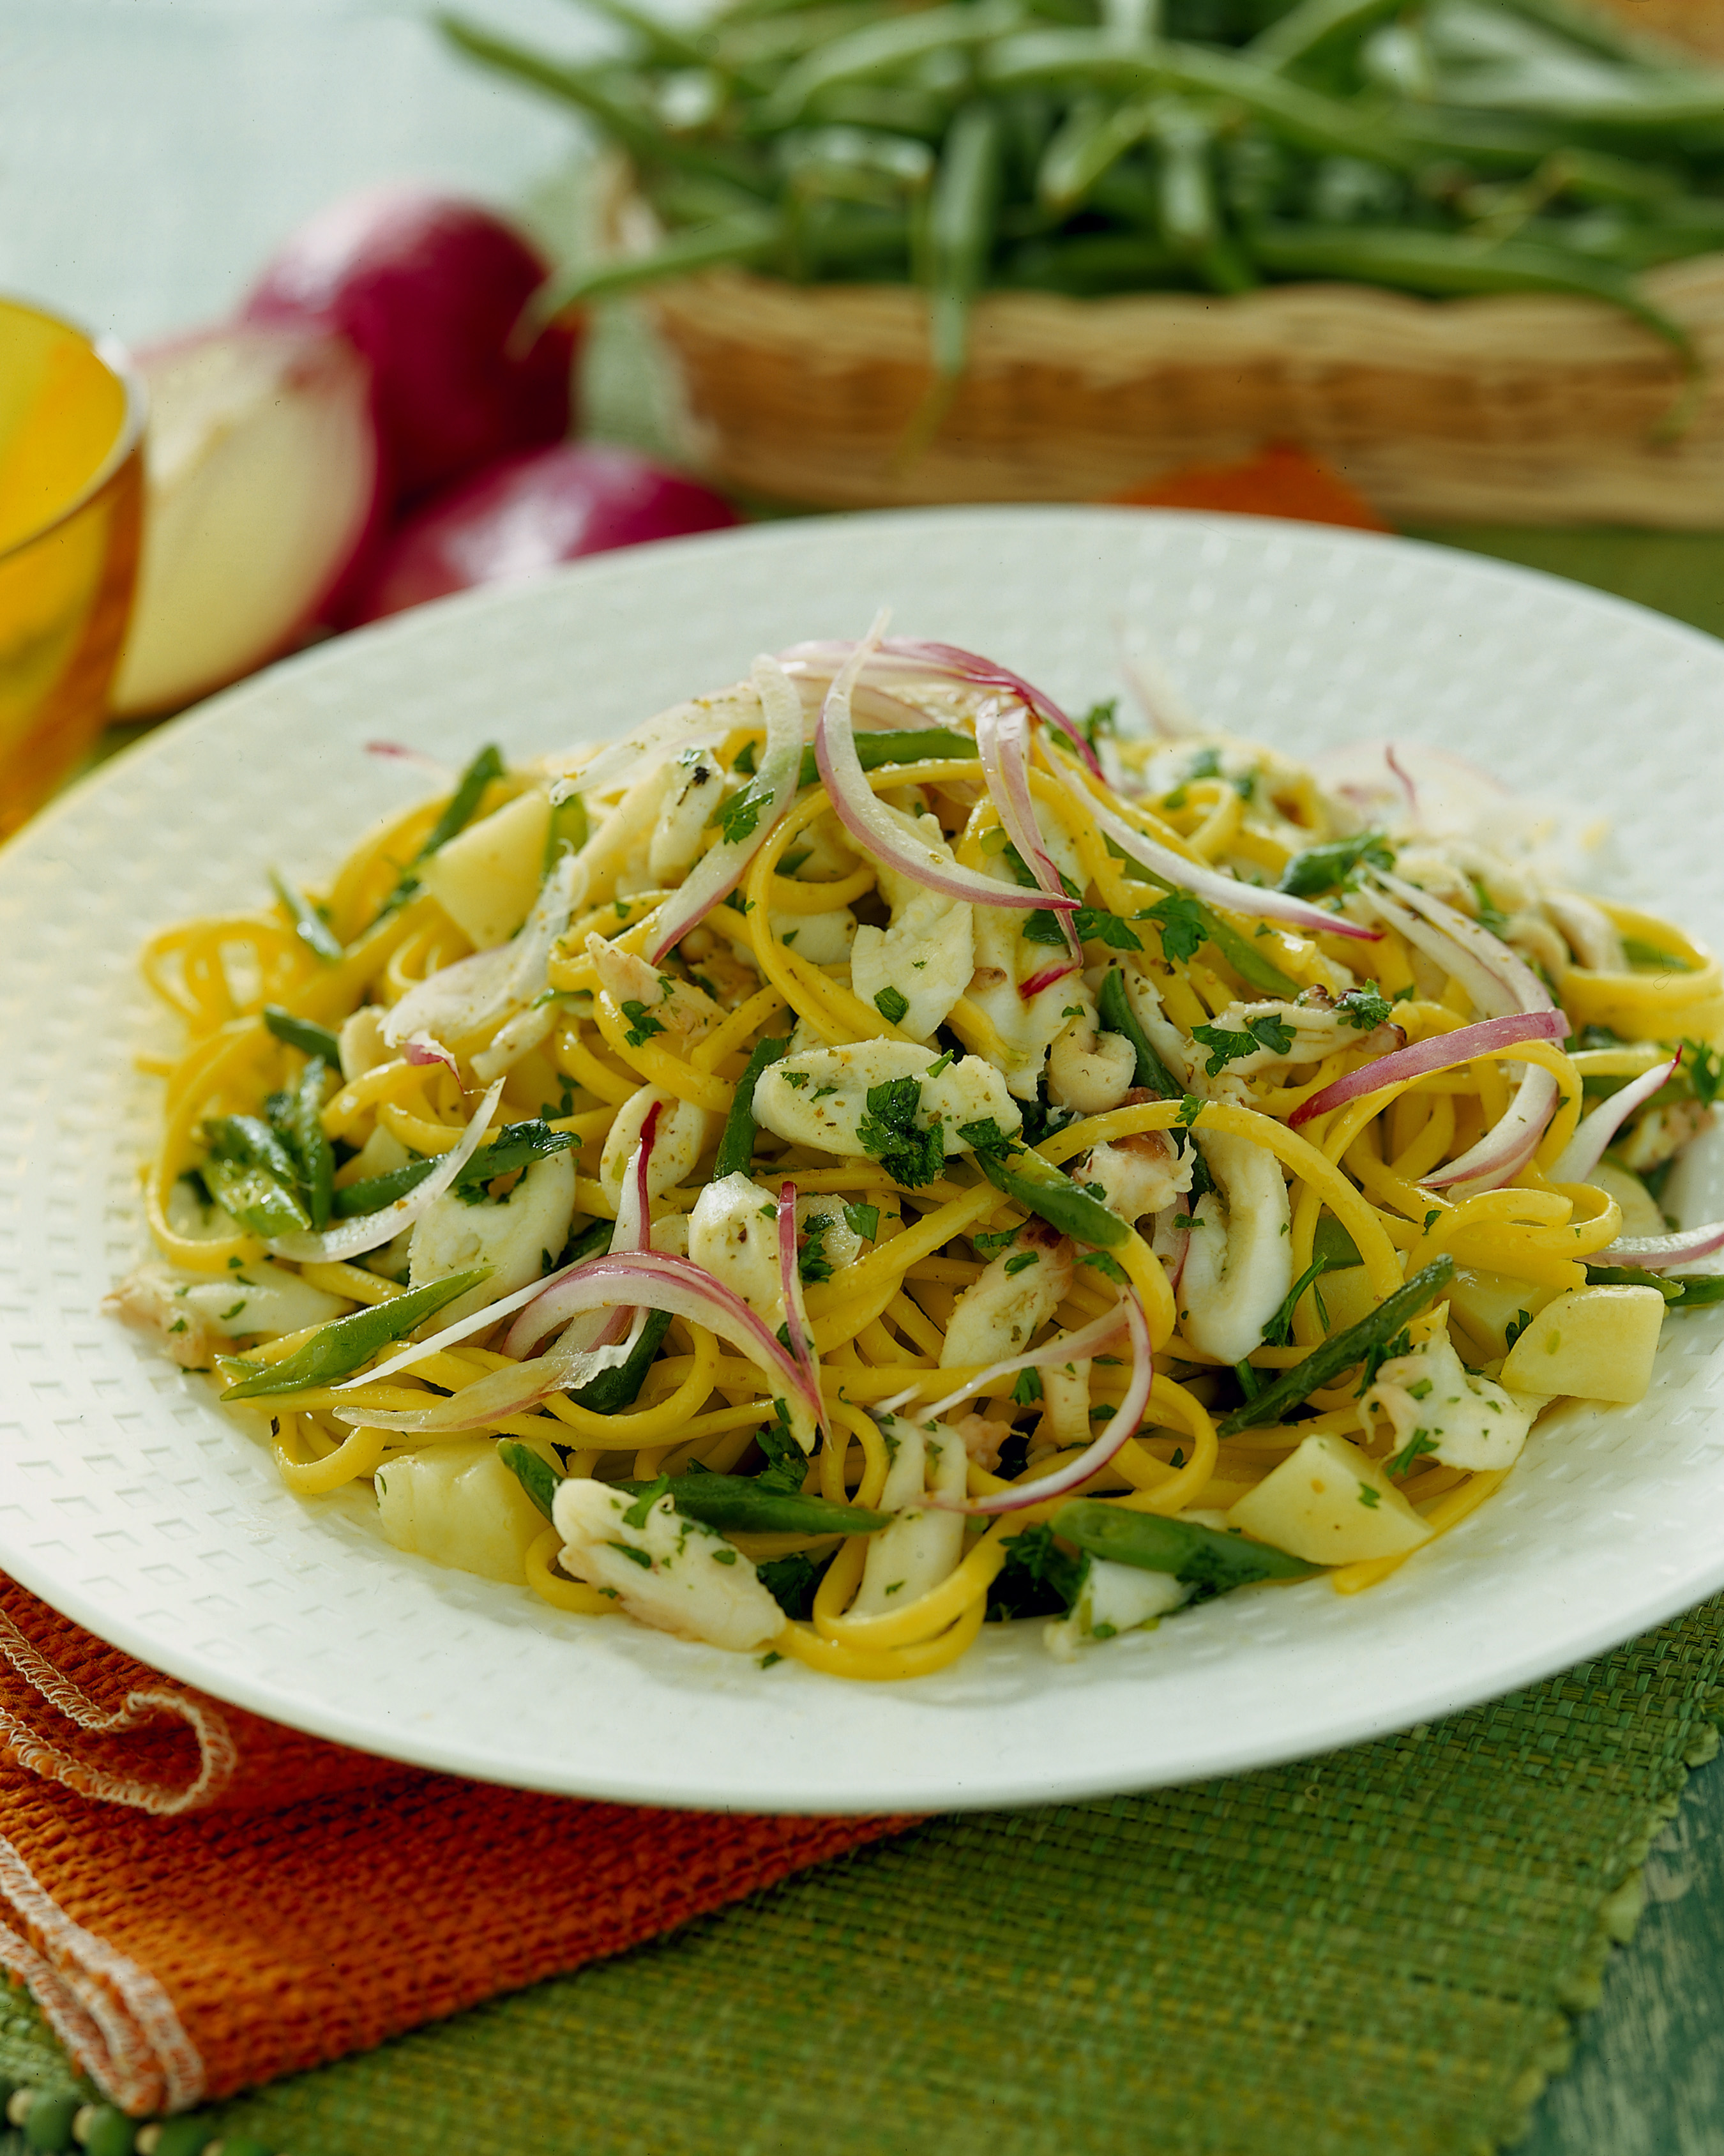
(1532, 410)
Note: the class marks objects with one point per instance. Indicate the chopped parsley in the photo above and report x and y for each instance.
(1336, 866)
(889, 1132)
(1414, 1448)
(1225, 1046)
(636, 1515)
(642, 1026)
(1705, 1067)
(1110, 1268)
(634, 1556)
(1021, 1263)
(1368, 1497)
(1027, 1390)
(812, 1264)
(1191, 1107)
(1491, 916)
(1515, 1327)
(744, 760)
(737, 816)
(1277, 1333)
(785, 1469)
(892, 1005)
(863, 1221)
(1038, 1578)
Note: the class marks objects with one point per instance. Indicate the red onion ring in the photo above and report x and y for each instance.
(1063, 1348)
(1489, 1036)
(632, 1228)
(1003, 743)
(908, 658)
(869, 822)
(1209, 884)
(422, 1048)
(1654, 1253)
(370, 1231)
(1511, 973)
(720, 867)
(647, 1280)
(1094, 1456)
(1586, 1149)
(633, 1231)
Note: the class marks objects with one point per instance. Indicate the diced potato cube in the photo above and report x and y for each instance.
(1329, 1504)
(1640, 1215)
(487, 878)
(1487, 1303)
(1595, 1342)
(457, 1504)
(1347, 1296)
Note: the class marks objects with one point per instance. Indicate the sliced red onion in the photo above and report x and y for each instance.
(870, 823)
(632, 1232)
(646, 1279)
(1122, 1425)
(773, 788)
(370, 1231)
(1063, 1348)
(1206, 883)
(421, 1049)
(909, 658)
(1031, 989)
(1487, 989)
(796, 1316)
(401, 752)
(1003, 743)
(1404, 776)
(1514, 976)
(1489, 1036)
(1586, 1149)
(1655, 1252)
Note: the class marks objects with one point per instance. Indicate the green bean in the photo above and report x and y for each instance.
(1313, 26)
(317, 1160)
(303, 1033)
(516, 1146)
(1214, 1562)
(736, 1146)
(901, 745)
(566, 831)
(747, 239)
(536, 1476)
(255, 1198)
(1095, 136)
(1680, 1290)
(736, 1504)
(462, 804)
(1441, 263)
(888, 48)
(612, 1390)
(347, 1344)
(1340, 1353)
(1045, 1189)
(961, 232)
(638, 131)
(313, 931)
(375, 1191)
(1114, 1008)
(858, 164)
(1092, 262)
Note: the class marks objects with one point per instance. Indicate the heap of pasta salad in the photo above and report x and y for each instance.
(870, 1153)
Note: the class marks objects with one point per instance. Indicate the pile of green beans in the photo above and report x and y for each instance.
(1094, 146)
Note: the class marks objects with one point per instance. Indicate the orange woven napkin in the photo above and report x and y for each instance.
(201, 1900)
(1279, 480)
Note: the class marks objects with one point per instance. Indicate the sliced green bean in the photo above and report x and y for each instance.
(536, 1476)
(1326, 1363)
(736, 1504)
(1314, 25)
(1114, 1008)
(903, 745)
(313, 931)
(255, 1198)
(303, 1033)
(612, 1390)
(517, 1145)
(1210, 1560)
(1047, 1191)
(347, 1344)
(375, 1191)
(888, 48)
(1680, 1290)
(736, 1146)
(317, 1160)
(462, 804)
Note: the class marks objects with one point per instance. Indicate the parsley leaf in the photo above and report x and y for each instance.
(1329, 868)
(737, 816)
(812, 1264)
(1191, 1107)
(1109, 1268)
(1094, 924)
(785, 1469)
(1184, 929)
(1024, 1259)
(1225, 1047)
(1364, 1008)
(1027, 1389)
(889, 1130)
(636, 1515)
(642, 1026)
(1491, 916)
(1043, 927)
(892, 1005)
(1705, 1067)
(863, 1221)
(1038, 1578)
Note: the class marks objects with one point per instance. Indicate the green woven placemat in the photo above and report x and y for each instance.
(1375, 1954)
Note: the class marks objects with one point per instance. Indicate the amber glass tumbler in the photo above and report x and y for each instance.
(71, 492)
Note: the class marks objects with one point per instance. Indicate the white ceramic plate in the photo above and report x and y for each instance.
(130, 1501)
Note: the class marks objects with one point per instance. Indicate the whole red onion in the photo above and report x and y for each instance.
(524, 515)
(430, 290)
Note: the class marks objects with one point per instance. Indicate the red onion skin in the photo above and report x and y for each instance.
(524, 515)
(430, 290)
